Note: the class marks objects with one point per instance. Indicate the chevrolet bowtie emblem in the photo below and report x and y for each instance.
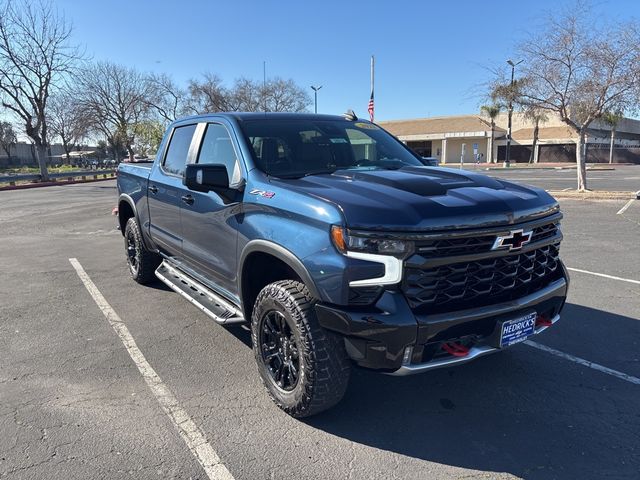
(514, 241)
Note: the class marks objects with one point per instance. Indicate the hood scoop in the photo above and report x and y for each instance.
(422, 181)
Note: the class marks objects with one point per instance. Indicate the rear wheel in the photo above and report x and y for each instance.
(142, 262)
(304, 367)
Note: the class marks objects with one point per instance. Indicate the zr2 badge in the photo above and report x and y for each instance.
(262, 193)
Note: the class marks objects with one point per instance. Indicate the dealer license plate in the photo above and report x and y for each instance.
(517, 330)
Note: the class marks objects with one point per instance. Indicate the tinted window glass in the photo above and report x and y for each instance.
(217, 148)
(176, 157)
(287, 148)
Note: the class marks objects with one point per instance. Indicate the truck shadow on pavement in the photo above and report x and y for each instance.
(521, 411)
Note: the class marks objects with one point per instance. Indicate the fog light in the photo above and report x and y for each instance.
(406, 358)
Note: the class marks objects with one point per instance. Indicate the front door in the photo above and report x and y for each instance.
(210, 222)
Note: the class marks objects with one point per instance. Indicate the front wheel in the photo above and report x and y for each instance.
(142, 262)
(304, 367)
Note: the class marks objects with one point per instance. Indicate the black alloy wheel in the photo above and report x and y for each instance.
(133, 251)
(279, 350)
(142, 263)
(304, 367)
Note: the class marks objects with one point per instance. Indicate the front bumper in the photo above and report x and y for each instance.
(474, 352)
(390, 338)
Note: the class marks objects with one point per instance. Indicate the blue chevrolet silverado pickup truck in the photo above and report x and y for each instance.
(339, 247)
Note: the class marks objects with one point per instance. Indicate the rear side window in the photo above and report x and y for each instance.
(176, 157)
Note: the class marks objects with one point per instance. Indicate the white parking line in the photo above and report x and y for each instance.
(627, 205)
(611, 277)
(189, 431)
(586, 363)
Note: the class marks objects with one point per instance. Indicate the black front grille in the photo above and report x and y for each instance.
(455, 246)
(545, 231)
(462, 285)
(468, 245)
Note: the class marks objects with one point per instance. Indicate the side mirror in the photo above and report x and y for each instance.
(205, 177)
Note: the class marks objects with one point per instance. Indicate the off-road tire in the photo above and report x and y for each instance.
(324, 365)
(142, 263)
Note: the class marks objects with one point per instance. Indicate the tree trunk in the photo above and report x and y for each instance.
(581, 160)
(41, 153)
(613, 136)
(493, 137)
(536, 132)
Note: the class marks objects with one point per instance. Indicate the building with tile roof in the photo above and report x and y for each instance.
(468, 137)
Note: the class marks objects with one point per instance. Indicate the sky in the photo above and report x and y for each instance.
(431, 57)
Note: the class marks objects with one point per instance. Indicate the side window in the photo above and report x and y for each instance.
(176, 157)
(217, 148)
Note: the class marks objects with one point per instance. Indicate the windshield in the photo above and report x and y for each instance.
(296, 148)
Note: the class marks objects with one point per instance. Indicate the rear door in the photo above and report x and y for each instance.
(166, 191)
(210, 222)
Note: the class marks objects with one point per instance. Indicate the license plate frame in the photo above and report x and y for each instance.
(517, 330)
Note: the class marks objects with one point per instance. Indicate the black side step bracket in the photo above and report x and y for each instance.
(199, 295)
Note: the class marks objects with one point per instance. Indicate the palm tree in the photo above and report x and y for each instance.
(536, 116)
(491, 111)
(612, 119)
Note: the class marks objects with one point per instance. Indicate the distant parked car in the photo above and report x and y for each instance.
(429, 161)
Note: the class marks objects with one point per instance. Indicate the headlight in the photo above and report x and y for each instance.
(380, 246)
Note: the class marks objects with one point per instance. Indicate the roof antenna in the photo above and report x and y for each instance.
(350, 115)
(264, 86)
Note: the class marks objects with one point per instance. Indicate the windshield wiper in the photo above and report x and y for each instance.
(319, 172)
(293, 176)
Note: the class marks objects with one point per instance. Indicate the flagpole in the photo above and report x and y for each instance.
(372, 80)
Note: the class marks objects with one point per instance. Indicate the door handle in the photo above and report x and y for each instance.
(153, 189)
(188, 199)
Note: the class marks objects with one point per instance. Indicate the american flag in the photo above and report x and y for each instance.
(371, 107)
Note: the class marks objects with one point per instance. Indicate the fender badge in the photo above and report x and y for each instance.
(262, 193)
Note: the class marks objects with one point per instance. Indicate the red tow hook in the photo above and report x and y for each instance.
(455, 349)
(542, 321)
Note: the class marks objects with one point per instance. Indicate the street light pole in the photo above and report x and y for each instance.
(510, 109)
(315, 96)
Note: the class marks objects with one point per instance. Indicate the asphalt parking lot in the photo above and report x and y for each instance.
(623, 178)
(74, 405)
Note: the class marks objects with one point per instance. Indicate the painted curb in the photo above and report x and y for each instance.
(593, 195)
(27, 186)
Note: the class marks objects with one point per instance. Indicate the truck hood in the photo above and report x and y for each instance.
(423, 198)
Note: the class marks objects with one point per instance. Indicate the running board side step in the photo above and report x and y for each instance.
(216, 307)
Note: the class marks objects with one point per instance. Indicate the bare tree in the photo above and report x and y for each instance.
(35, 54)
(67, 120)
(276, 95)
(282, 95)
(208, 95)
(577, 70)
(612, 119)
(169, 101)
(8, 137)
(115, 97)
(492, 111)
(246, 96)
